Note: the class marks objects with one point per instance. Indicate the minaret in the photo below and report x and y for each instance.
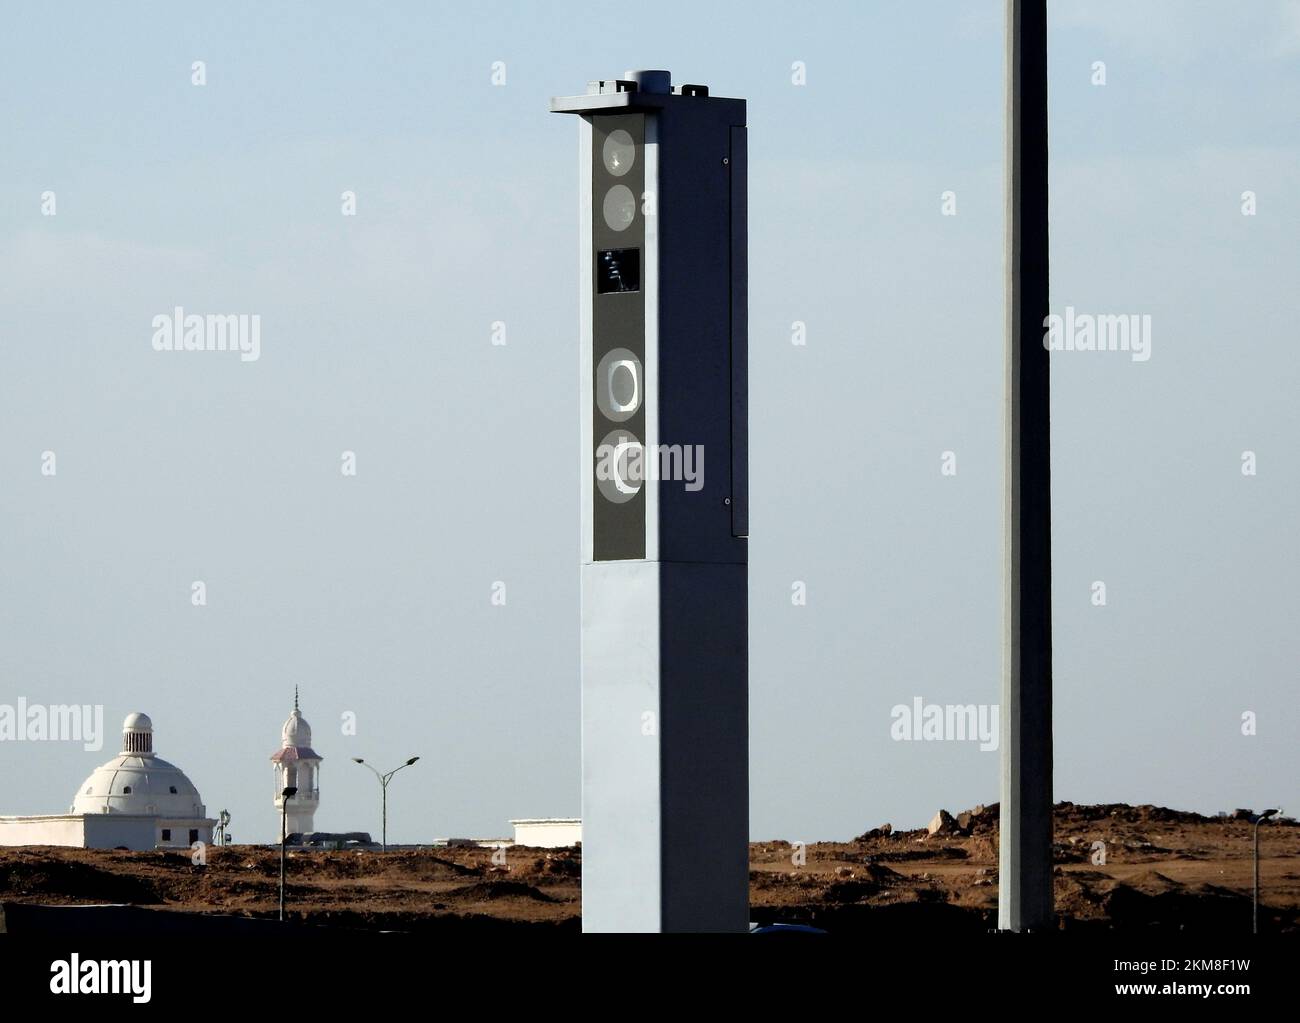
(297, 765)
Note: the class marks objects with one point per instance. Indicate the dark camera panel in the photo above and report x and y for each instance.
(618, 270)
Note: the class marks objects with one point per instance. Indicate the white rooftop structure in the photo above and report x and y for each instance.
(138, 781)
(137, 800)
(548, 832)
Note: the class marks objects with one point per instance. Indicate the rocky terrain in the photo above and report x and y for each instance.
(1118, 867)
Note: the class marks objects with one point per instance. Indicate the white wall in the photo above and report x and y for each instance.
(548, 834)
(101, 831)
(110, 830)
(180, 832)
(52, 830)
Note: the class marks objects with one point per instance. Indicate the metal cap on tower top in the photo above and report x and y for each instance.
(648, 92)
(660, 82)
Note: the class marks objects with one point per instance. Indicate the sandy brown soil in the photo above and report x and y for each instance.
(1163, 869)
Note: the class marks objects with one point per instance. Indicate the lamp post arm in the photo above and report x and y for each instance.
(396, 769)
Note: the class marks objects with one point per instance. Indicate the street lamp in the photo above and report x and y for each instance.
(384, 779)
(285, 796)
(1255, 909)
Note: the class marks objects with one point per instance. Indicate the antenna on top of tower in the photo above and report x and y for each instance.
(295, 697)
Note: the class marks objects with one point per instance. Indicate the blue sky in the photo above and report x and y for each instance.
(372, 593)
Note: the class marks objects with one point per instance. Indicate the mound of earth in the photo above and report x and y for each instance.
(1118, 867)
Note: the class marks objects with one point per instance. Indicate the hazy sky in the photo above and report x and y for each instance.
(373, 592)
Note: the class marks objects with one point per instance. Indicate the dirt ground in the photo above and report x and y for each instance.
(1162, 870)
(1117, 867)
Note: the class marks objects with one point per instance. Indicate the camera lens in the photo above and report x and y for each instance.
(618, 385)
(620, 469)
(619, 208)
(619, 152)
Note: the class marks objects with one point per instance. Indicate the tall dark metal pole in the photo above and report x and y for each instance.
(287, 794)
(283, 828)
(1254, 913)
(1254, 902)
(1025, 852)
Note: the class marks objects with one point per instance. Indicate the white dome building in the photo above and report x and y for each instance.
(137, 800)
(138, 781)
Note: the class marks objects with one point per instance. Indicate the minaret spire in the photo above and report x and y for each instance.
(297, 766)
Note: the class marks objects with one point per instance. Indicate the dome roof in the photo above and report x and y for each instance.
(295, 737)
(138, 781)
(296, 731)
(130, 783)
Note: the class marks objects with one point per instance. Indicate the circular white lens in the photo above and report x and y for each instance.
(619, 152)
(619, 466)
(619, 208)
(618, 385)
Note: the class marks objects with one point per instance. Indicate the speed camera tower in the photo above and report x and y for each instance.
(663, 336)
